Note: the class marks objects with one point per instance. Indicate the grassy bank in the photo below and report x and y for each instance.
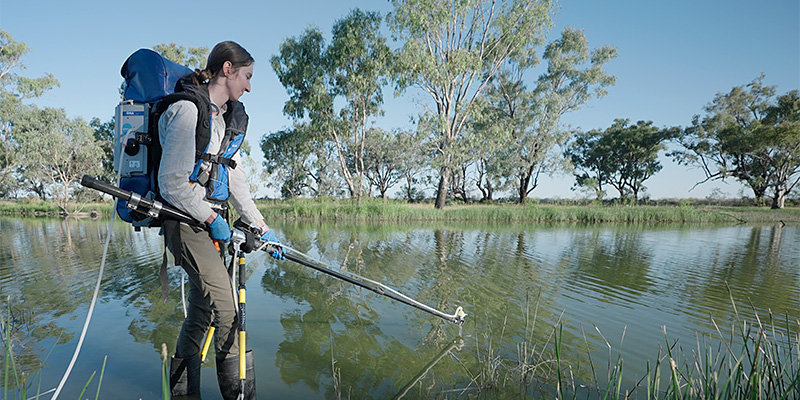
(399, 211)
(38, 207)
(396, 211)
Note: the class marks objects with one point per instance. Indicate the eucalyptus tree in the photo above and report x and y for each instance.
(493, 124)
(13, 89)
(782, 132)
(412, 159)
(574, 76)
(57, 150)
(522, 126)
(451, 49)
(747, 135)
(623, 157)
(104, 135)
(351, 71)
(383, 156)
(287, 156)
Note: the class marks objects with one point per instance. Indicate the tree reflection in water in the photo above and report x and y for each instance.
(332, 339)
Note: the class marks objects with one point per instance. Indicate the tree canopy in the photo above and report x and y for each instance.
(750, 135)
(623, 157)
(350, 71)
(13, 89)
(451, 49)
(522, 126)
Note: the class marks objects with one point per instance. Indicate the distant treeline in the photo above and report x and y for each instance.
(490, 129)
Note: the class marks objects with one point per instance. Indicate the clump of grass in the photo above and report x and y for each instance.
(16, 382)
(12, 377)
(754, 360)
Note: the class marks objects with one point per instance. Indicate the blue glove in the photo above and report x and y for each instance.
(269, 236)
(220, 229)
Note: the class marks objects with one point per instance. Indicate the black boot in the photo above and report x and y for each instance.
(184, 375)
(228, 377)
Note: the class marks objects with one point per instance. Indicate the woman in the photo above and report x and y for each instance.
(200, 134)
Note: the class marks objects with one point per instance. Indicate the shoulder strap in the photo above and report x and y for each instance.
(203, 128)
(236, 120)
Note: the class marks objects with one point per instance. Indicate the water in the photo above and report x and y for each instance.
(613, 290)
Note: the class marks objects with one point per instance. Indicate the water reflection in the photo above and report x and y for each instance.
(316, 337)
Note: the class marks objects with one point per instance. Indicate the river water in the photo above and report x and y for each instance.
(604, 292)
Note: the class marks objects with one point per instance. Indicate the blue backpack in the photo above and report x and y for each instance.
(149, 77)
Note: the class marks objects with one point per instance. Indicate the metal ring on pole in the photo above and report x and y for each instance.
(155, 210)
(133, 203)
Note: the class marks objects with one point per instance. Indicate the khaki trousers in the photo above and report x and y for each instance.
(210, 292)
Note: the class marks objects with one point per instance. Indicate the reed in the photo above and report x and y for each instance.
(16, 382)
(165, 390)
(751, 361)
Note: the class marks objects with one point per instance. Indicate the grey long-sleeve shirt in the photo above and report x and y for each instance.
(177, 135)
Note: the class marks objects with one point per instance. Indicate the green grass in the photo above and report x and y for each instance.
(38, 207)
(399, 211)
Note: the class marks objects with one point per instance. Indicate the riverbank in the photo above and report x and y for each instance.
(400, 211)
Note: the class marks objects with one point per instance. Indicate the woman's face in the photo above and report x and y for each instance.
(239, 82)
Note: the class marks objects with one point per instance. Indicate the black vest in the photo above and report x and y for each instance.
(236, 120)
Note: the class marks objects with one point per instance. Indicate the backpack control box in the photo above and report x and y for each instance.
(130, 120)
(131, 150)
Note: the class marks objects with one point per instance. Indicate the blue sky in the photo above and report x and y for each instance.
(674, 56)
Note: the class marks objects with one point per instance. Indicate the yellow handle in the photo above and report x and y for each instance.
(207, 344)
(242, 359)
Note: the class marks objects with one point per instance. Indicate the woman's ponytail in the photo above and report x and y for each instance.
(202, 76)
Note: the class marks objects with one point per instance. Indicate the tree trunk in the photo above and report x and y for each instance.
(441, 191)
(524, 181)
(486, 194)
(462, 185)
(779, 200)
(409, 191)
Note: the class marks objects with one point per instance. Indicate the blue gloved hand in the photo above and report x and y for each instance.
(269, 236)
(220, 229)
